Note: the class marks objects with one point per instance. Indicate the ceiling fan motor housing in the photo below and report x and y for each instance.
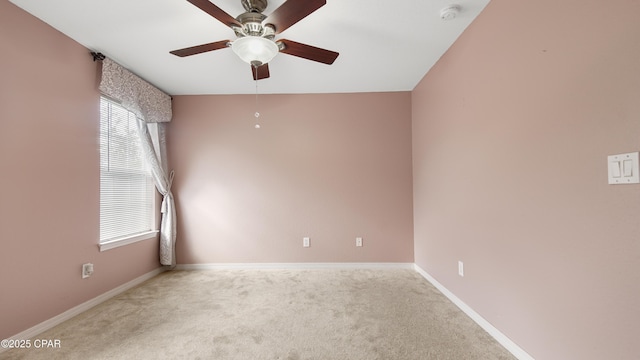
(252, 26)
(255, 5)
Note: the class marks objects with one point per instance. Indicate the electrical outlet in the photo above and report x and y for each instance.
(460, 268)
(358, 241)
(306, 242)
(87, 270)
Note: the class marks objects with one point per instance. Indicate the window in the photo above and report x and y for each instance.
(127, 191)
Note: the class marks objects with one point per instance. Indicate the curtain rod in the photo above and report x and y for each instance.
(97, 56)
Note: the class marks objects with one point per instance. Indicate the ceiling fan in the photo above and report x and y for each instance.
(256, 32)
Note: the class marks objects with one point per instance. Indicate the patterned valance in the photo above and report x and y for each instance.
(138, 96)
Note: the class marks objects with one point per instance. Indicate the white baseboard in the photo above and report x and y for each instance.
(287, 266)
(58, 319)
(508, 344)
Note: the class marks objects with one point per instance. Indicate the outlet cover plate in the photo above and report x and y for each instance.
(87, 270)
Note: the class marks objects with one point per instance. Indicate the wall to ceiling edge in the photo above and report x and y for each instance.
(511, 132)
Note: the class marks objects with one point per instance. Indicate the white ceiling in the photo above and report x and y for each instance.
(384, 45)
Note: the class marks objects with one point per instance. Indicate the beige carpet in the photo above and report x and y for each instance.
(275, 315)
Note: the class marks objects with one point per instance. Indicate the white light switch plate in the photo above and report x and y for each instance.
(623, 168)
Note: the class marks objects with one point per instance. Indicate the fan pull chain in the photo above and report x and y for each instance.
(257, 114)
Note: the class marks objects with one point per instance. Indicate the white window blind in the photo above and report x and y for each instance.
(126, 188)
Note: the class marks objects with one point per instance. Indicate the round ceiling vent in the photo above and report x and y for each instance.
(450, 12)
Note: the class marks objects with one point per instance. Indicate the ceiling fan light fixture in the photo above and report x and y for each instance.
(255, 50)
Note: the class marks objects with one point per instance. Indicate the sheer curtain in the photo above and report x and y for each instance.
(157, 161)
(153, 109)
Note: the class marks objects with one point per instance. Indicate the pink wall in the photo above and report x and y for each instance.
(49, 203)
(328, 166)
(511, 130)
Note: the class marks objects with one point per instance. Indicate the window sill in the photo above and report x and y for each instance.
(126, 240)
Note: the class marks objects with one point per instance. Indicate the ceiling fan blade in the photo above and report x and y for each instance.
(308, 52)
(261, 72)
(216, 12)
(200, 48)
(291, 12)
